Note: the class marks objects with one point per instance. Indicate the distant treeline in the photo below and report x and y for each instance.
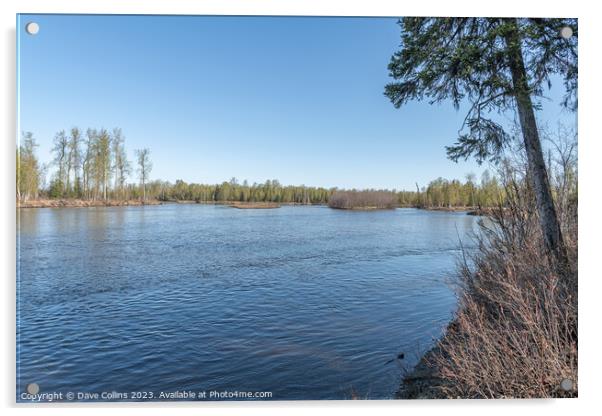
(234, 191)
(439, 193)
(94, 166)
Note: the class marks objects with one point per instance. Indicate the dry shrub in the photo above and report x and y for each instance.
(362, 199)
(515, 332)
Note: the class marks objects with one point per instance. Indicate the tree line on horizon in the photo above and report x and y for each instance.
(438, 193)
(95, 166)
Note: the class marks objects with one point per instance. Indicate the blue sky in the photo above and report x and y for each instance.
(291, 98)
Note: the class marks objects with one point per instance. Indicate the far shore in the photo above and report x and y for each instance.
(254, 205)
(469, 210)
(449, 209)
(83, 203)
(366, 208)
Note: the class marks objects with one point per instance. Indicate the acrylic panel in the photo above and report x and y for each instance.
(295, 208)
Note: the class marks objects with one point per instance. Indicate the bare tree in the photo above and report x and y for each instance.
(61, 149)
(74, 159)
(144, 168)
(102, 162)
(86, 161)
(562, 166)
(121, 163)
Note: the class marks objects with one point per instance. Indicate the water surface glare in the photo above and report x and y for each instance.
(303, 302)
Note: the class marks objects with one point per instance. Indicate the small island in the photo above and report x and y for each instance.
(368, 200)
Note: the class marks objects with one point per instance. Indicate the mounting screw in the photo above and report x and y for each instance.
(566, 384)
(566, 32)
(33, 388)
(32, 28)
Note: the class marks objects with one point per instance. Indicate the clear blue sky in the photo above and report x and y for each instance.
(296, 99)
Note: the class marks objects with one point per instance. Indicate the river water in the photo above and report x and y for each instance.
(300, 302)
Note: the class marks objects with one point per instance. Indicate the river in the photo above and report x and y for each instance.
(303, 302)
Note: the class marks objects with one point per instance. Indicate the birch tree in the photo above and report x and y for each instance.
(144, 168)
(87, 158)
(61, 155)
(75, 160)
(102, 162)
(121, 164)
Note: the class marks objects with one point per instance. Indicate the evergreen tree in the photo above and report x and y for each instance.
(494, 65)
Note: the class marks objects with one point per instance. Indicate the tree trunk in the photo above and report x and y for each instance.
(537, 168)
(68, 184)
(143, 174)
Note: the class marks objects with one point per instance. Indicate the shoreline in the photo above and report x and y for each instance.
(83, 203)
(469, 210)
(254, 205)
(364, 208)
(422, 382)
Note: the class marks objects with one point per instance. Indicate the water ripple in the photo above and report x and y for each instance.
(305, 302)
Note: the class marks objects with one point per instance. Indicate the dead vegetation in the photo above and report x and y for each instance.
(515, 332)
(362, 200)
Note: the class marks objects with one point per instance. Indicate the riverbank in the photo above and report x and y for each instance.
(423, 381)
(254, 205)
(449, 209)
(476, 211)
(83, 203)
(514, 334)
(364, 208)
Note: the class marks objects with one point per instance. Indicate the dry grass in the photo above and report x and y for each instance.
(515, 332)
